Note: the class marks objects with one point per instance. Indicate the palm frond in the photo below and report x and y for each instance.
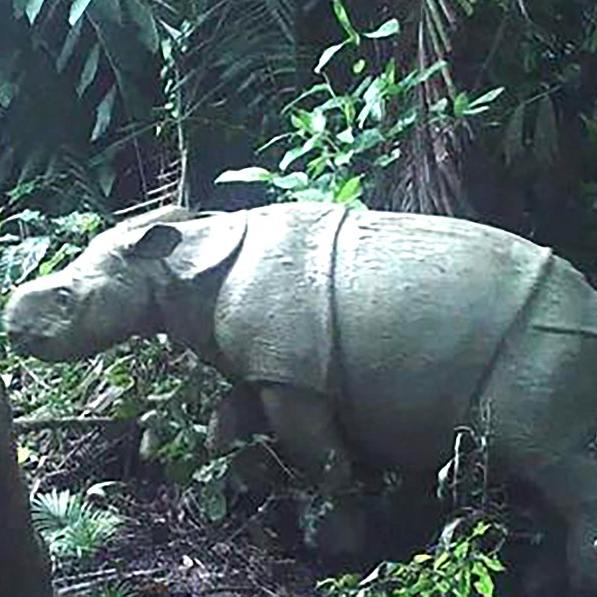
(428, 178)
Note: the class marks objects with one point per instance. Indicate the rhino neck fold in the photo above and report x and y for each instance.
(187, 313)
(274, 314)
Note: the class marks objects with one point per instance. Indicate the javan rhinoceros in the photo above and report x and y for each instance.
(24, 569)
(365, 333)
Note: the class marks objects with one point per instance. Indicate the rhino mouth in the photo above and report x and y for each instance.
(27, 345)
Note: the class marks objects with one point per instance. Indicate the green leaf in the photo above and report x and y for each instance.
(18, 261)
(104, 114)
(359, 66)
(474, 111)
(77, 8)
(440, 106)
(385, 160)
(69, 46)
(33, 9)
(488, 97)
(318, 88)
(343, 158)
(484, 585)
(273, 141)
(417, 77)
(318, 121)
(493, 563)
(344, 20)
(369, 138)
(374, 103)
(350, 190)
(63, 253)
(250, 174)
(296, 152)
(311, 122)
(461, 103)
(316, 167)
(346, 136)
(89, 70)
(327, 55)
(441, 560)
(389, 28)
(291, 181)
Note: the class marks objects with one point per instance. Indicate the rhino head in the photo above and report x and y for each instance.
(100, 299)
(140, 277)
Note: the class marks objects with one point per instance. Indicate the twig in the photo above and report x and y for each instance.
(97, 578)
(26, 424)
(228, 589)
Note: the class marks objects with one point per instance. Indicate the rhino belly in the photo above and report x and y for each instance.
(421, 305)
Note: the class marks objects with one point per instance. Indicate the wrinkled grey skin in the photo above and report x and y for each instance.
(364, 333)
(24, 567)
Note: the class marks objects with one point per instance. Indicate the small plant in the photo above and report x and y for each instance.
(70, 526)
(32, 242)
(464, 568)
(340, 141)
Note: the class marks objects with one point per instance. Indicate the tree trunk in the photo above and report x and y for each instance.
(24, 569)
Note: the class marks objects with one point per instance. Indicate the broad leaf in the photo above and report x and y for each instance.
(296, 152)
(327, 55)
(33, 9)
(374, 103)
(104, 114)
(89, 70)
(350, 190)
(69, 46)
(461, 104)
(488, 97)
(344, 21)
(291, 181)
(17, 262)
(77, 8)
(251, 174)
(389, 28)
(318, 88)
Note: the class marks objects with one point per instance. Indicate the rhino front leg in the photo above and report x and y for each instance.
(305, 423)
(306, 426)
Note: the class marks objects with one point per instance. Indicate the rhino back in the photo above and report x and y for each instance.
(422, 304)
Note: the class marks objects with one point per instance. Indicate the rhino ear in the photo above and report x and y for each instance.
(209, 242)
(157, 243)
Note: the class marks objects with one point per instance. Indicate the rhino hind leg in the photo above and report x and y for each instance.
(542, 395)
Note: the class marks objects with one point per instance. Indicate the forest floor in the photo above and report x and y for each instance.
(164, 547)
(163, 550)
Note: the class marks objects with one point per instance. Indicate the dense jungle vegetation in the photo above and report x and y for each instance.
(482, 109)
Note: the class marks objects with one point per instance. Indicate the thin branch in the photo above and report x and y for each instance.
(27, 424)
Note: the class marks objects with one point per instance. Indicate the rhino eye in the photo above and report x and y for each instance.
(63, 297)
